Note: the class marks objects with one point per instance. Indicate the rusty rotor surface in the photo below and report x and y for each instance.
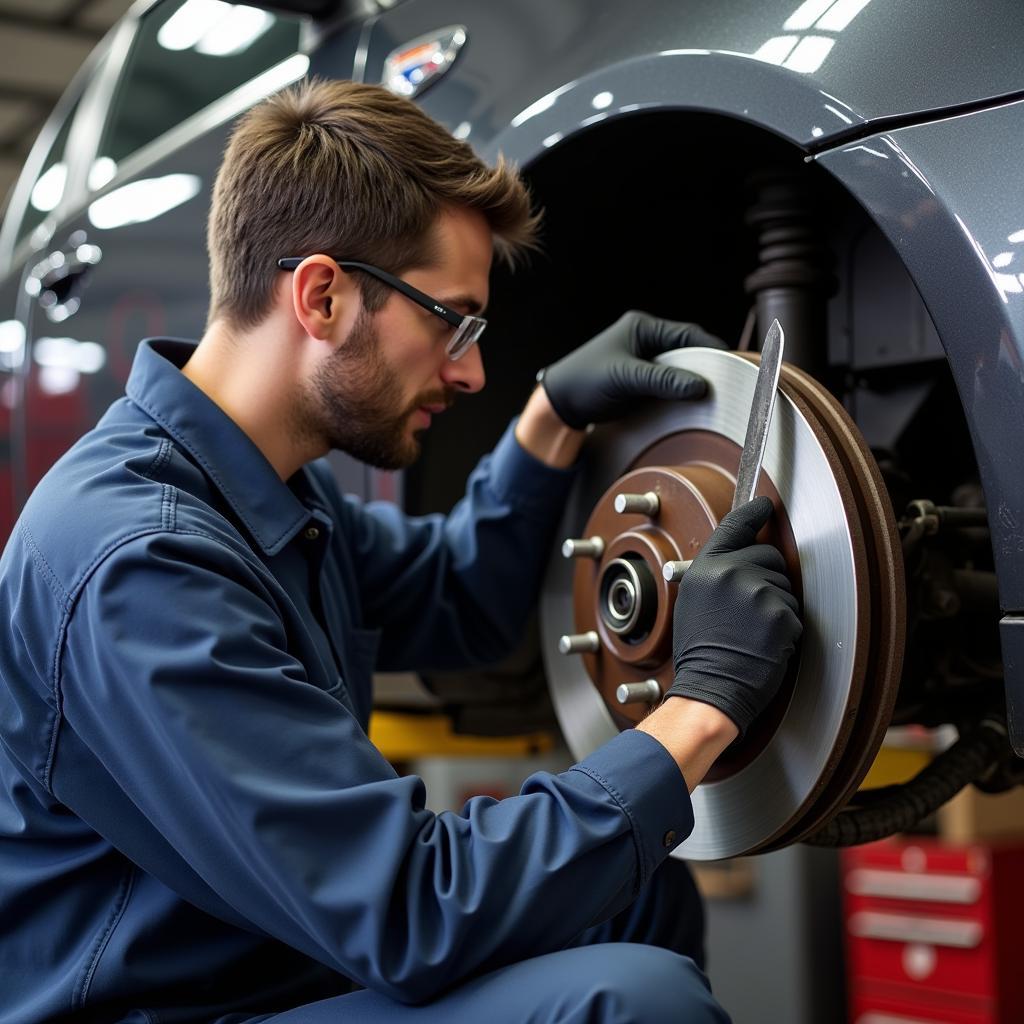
(835, 527)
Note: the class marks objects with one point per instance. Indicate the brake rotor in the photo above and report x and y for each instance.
(674, 467)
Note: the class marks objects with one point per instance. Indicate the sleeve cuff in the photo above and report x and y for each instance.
(643, 779)
(523, 480)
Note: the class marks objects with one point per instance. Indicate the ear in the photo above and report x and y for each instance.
(322, 295)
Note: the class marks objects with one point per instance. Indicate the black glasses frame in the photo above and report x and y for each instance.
(420, 298)
(468, 327)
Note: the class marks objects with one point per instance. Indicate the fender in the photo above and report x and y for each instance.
(943, 193)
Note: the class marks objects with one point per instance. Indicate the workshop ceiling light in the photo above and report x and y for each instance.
(12, 338)
(840, 14)
(62, 361)
(806, 15)
(805, 54)
(236, 31)
(809, 54)
(49, 188)
(102, 170)
(213, 27)
(12, 335)
(776, 49)
(81, 356)
(143, 200)
(190, 23)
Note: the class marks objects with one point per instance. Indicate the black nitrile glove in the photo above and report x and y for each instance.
(736, 621)
(601, 379)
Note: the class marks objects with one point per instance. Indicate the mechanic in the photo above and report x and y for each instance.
(194, 826)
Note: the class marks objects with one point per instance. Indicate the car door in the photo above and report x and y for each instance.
(36, 205)
(12, 347)
(129, 261)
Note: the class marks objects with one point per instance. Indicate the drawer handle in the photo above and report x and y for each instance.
(867, 924)
(899, 886)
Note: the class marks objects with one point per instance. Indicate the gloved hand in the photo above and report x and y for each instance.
(735, 621)
(605, 376)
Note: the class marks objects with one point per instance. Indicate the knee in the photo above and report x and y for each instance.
(628, 982)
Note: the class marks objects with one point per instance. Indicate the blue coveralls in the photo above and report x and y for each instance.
(194, 826)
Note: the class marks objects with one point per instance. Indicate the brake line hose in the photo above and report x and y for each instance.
(877, 813)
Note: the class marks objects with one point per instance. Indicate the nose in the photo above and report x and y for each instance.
(466, 373)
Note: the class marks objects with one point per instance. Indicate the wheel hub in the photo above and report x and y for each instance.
(651, 491)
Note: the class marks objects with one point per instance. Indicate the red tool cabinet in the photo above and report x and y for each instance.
(932, 932)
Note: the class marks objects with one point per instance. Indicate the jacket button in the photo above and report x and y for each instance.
(312, 533)
(668, 838)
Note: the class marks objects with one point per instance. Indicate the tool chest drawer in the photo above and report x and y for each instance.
(871, 1005)
(932, 927)
(926, 950)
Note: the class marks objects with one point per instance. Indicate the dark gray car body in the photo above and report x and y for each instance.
(915, 109)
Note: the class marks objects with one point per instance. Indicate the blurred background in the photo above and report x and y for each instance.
(42, 44)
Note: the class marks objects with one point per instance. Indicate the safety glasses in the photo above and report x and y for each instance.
(467, 328)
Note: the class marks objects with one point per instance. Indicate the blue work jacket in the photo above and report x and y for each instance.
(193, 822)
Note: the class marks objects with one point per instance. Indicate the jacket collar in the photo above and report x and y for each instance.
(267, 506)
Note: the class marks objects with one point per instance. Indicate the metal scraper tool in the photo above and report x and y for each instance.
(757, 432)
(760, 414)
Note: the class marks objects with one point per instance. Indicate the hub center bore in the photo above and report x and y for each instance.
(628, 600)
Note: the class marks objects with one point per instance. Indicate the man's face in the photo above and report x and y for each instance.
(380, 388)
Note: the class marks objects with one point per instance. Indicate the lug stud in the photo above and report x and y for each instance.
(579, 643)
(647, 692)
(673, 571)
(647, 504)
(592, 547)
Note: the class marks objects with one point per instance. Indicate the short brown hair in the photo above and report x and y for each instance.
(353, 171)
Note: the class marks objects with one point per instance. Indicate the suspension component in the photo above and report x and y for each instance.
(793, 279)
(930, 518)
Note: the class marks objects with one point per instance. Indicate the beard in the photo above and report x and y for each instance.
(355, 403)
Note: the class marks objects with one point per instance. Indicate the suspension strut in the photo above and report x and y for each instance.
(794, 278)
